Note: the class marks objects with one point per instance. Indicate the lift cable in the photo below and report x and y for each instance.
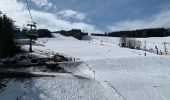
(29, 11)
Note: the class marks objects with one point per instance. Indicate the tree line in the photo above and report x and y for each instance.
(76, 33)
(141, 33)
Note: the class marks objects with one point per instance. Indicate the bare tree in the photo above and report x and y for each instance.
(130, 43)
(122, 41)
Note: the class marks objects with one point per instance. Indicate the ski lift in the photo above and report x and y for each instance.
(32, 34)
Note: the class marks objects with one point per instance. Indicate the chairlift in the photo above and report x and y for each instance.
(32, 34)
(30, 23)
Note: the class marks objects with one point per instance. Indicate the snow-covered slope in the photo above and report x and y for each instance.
(76, 84)
(59, 88)
(150, 42)
(105, 72)
(144, 78)
(86, 50)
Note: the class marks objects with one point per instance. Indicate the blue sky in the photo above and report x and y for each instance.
(94, 15)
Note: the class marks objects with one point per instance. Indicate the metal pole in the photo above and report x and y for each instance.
(94, 74)
(165, 48)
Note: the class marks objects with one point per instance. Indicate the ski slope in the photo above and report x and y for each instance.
(150, 42)
(104, 71)
(76, 84)
(88, 49)
(136, 78)
(59, 88)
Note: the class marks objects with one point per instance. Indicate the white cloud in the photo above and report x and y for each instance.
(18, 11)
(72, 14)
(44, 3)
(41, 3)
(15, 10)
(159, 20)
(48, 19)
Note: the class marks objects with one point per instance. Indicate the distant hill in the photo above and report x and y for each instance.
(76, 33)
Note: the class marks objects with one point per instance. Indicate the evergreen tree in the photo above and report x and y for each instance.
(7, 44)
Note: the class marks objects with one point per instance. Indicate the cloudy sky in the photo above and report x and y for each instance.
(90, 15)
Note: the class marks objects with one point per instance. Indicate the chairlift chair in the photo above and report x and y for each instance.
(32, 34)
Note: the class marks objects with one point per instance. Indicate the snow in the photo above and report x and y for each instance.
(136, 78)
(156, 41)
(59, 88)
(104, 72)
(86, 50)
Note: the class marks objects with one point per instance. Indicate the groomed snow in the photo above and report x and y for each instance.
(88, 50)
(59, 88)
(106, 72)
(144, 78)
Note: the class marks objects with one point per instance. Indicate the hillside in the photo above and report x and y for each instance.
(101, 71)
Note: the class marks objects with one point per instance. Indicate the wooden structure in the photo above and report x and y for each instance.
(16, 74)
